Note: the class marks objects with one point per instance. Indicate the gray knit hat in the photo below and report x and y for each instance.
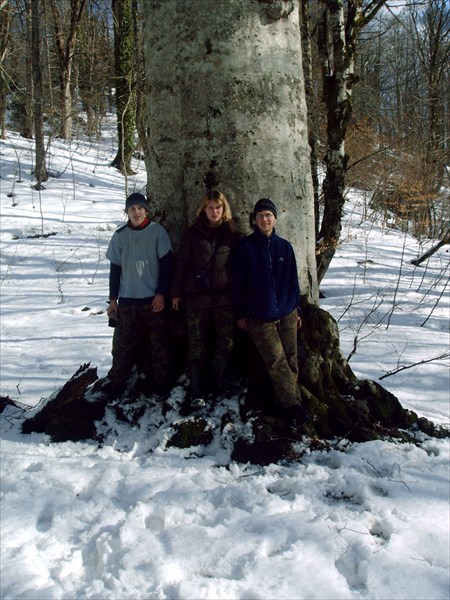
(137, 198)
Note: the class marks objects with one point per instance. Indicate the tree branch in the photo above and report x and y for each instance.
(443, 242)
(421, 362)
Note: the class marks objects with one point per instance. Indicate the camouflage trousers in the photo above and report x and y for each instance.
(276, 342)
(199, 321)
(141, 337)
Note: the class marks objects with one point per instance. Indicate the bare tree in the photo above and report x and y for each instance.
(404, 90)
(40, 169)
(339, 26)
(16, 86)
(141, 115)
(5, 35)
(312, 104)
(125, 84)
(431, 30)
(65, 42)
(94, 66)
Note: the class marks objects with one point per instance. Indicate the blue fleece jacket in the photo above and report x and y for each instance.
(265, 280)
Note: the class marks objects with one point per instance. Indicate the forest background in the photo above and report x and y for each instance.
(376, 81)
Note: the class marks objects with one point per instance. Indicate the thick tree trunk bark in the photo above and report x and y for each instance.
(226, 106)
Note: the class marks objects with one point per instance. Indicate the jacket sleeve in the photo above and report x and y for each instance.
(115, 272)
(294, 281)
(165, 274)
(182, 263)
(238, 280)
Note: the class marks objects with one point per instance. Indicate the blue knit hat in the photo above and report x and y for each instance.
(137, 198)
(265, 204)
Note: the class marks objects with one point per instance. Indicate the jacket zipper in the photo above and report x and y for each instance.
(273, 276)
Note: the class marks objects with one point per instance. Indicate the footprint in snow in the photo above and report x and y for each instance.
(45, 519)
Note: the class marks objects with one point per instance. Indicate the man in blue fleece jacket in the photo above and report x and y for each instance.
(267, 304)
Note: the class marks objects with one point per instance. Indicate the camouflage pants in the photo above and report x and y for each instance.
(141, 336)
(276, 342)
(198, 322)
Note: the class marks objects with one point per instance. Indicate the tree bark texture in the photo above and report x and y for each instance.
(69, 416)
(5, 36)
(226, 106)
(337, 55)
(40, 170)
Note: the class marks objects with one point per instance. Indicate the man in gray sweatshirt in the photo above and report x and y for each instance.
(141, 266)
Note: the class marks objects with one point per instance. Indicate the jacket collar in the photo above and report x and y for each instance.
(201, 223)
(261, 238)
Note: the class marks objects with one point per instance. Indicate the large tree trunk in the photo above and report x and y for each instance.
(226, 104)
(226, 108)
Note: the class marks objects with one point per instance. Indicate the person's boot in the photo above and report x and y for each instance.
(196, 392)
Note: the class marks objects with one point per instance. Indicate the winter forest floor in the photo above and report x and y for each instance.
(135, 518)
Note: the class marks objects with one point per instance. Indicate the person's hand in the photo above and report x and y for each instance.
(176, 303)
(242, 324)
(299, 322)
(158, 303)
(112, 308)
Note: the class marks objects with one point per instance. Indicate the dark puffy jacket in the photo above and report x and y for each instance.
(202, 275)
(265, 280)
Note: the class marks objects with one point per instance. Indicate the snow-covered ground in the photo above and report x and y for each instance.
(135, 519)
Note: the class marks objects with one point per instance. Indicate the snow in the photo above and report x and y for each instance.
(136, 519)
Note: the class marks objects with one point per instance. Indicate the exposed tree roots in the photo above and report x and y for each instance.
(340, 405)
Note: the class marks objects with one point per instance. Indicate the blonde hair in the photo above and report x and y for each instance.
(215, 196)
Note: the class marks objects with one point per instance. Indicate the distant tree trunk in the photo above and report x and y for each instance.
(337, 59)
(40, 170)
(431, 28)
(5, 34)
(226, 106)
(339, 26)
(28, 122)
(65, 46)
(95, 71)
(139, 68)
(313, 110)
(125, 83)
(445, 241)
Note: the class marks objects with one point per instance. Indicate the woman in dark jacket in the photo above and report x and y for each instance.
(202, 280)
